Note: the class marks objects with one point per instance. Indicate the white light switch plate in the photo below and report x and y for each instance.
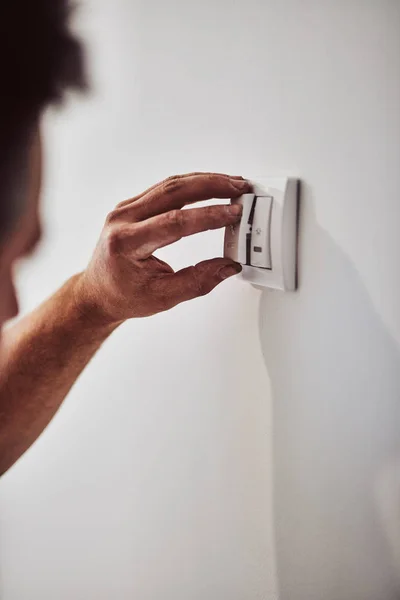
(267, 234)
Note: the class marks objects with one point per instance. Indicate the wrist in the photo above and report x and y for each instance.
(89, 311)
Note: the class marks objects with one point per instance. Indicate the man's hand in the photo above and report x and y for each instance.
(124, 279)
(45, 352)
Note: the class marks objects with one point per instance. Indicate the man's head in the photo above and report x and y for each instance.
(39, 60)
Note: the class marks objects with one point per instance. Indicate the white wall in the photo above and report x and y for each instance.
(154, 480)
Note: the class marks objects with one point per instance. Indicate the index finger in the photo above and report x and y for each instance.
(130, 201)
(175, 193)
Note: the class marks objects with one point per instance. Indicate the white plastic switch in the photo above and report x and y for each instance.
(237, 237)
(265, 241)
(260, 255)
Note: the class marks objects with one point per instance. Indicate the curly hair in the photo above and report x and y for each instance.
(39, 60)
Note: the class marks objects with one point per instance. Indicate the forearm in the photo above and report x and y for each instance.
(42, 356)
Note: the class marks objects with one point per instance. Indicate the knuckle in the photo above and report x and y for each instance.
(214, 216)
(172, 185)
(120, 239)
(213, 213)
(175, 220)
(200, 284)
(111, 217)
(112, 240)
(124, 203)
(209, 179)
(121, 216)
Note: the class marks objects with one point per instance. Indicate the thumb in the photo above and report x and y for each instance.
(194, 281)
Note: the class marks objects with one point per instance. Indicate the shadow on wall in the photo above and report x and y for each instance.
(335, 380)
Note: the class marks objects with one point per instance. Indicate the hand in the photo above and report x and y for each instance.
(124, 279)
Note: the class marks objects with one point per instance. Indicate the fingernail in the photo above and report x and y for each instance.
(241, 184)
(235, 209)
(230, 270)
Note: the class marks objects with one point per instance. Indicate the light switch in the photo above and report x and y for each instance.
(238, 237)
(265, 241)
(260, 254)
